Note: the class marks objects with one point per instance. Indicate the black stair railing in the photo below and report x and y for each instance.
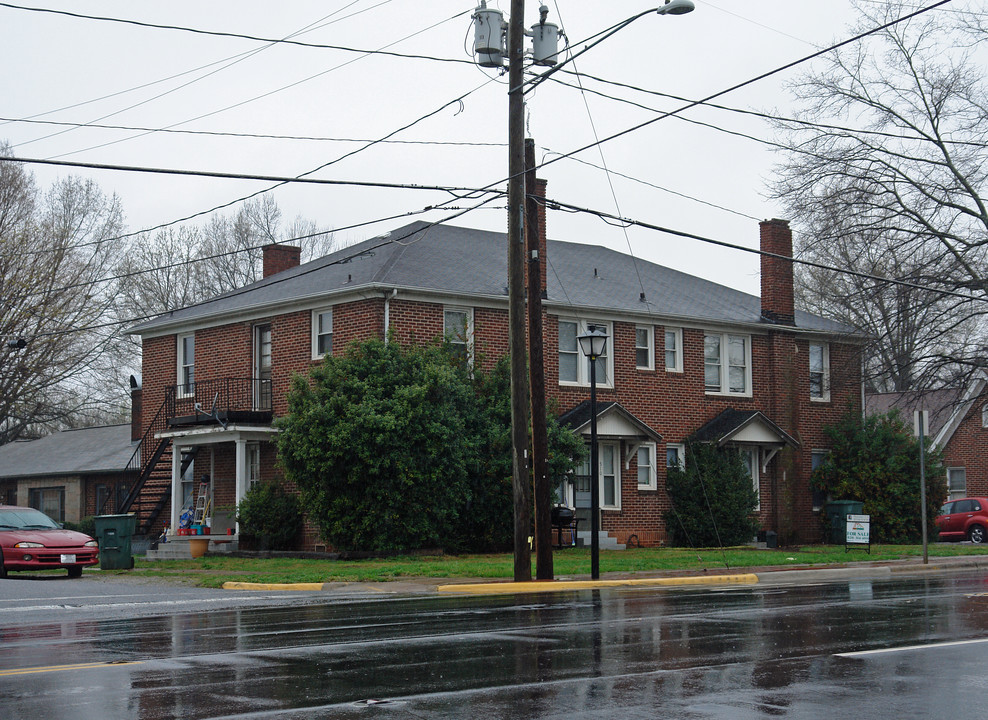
(204, 398)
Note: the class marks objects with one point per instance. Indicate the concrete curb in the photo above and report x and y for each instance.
(272, 586)
(502, 588)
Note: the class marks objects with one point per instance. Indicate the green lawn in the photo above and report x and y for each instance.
(214, 570)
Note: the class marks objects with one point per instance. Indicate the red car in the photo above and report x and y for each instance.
(964, 519)
(30, 540)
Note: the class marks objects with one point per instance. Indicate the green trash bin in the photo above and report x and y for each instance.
(114, 533)
(837, 512)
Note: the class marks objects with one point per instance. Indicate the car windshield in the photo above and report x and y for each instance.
(25, 519)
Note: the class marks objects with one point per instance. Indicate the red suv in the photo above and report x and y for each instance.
(962, 519)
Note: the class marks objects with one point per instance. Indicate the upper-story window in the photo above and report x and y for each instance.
(674, 349)
(574, 366)
(262, 367)
(322, 333)
(819, 371)
(727, 363)
(644, 348)
(186, 364)
(458, 331)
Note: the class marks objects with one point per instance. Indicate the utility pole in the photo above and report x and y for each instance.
(516, 292)
(536, 372)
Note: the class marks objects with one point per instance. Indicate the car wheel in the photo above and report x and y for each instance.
(976, 534)
(75, 571)
(3, 570)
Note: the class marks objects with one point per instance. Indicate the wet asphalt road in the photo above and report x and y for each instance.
(733, 652)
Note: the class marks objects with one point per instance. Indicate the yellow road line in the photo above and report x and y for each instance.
(563, 585)
(63, 668)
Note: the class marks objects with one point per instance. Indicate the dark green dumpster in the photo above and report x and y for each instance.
(114, 533)
(837, 512)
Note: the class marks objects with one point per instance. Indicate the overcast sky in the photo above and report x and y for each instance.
(673, 173)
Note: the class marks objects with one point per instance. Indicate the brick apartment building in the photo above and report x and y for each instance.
(686, 359)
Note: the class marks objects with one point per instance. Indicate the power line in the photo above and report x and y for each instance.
(270, 92)
(261, 136)
(241, 36)
(233, 61)
(751, 81)
(229, 253)
(743, 111)
(273, 280)
(283, 181)
(280, 179)
(658, 187)
(734, 246)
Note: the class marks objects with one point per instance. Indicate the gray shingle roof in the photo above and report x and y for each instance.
(70, 452)
(461, 261)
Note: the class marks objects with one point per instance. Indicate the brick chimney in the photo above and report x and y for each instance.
(539, 191)
(777, 286)
(278, 258)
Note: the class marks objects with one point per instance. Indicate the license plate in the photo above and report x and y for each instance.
(68, 558)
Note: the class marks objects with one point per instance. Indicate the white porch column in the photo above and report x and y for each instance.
(241, 464)
(176, 488)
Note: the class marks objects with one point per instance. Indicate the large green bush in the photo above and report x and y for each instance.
(398, 448)
(713, 501)
(270, 515)
(876, 460)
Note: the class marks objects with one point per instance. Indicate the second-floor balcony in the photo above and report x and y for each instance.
(220, 401)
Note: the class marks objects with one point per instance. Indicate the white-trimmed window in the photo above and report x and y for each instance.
(186, 365)
(750, 457)
(727, 364)
(956, 483)
(674, 349)
(644, 347)
(819, 371)
(458, 330)
(646, 466)
(322, 333)
(610, 477)
(253, 456)
(574, 366)
(984, 416)
(676, 455)
(262, 367)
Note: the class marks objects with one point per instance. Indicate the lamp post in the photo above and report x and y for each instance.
(593, 343)
(491, 31)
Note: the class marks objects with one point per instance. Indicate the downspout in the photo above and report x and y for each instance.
(387, 312)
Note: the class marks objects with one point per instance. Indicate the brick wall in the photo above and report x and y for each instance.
(966, 449)
(673, 403)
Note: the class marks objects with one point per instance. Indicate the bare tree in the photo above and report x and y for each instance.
(883, 174)
(177, 268)
(55, 258)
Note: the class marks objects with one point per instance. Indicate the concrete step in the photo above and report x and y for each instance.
(583, 539)
(178, 548)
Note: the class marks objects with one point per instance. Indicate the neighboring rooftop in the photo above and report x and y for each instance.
(466, 262)
(71, 452)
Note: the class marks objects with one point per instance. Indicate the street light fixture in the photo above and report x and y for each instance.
(594, 343)
(676, 7)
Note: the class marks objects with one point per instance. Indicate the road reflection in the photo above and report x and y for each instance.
(759, 649)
